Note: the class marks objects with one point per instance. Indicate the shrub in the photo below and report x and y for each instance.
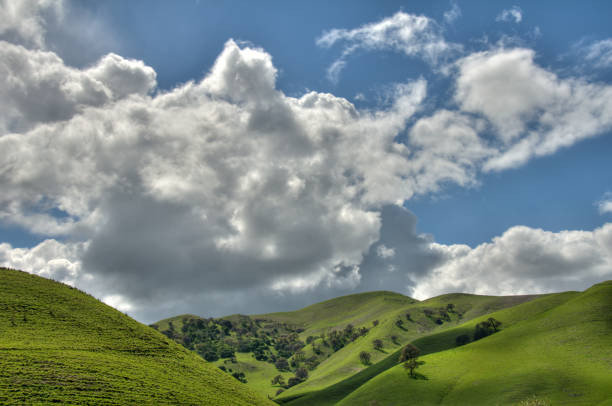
(281, 364)
(364, 356)
(301, 373)
(240, 376)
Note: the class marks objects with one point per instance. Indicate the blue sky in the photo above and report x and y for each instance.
(421, 144)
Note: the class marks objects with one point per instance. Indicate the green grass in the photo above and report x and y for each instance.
(59, 345)
(258, 373)
(557, 348)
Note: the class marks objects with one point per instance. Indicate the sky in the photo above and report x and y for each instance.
(229, 157)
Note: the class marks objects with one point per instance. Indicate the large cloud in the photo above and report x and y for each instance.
(217, 185)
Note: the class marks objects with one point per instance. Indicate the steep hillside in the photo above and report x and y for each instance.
(557, 348)
(59, 345)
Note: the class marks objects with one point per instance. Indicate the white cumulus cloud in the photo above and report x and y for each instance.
(523, 260)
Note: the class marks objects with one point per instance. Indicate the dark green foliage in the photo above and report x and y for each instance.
(278, 380)
(377, 344)
(240, 376)
(301, 373)
(409, 355)
(375, 323)
(486, 328)
(281, 364)
(462, 339)
(337, 339)
(494, 324)
(364, 356)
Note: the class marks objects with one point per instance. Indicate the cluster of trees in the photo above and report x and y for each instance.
(222, 338)
(482, 329)
(442, 314)
(337, 339)
(239, 375)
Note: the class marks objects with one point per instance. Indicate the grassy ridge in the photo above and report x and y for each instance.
(557, 348)
(59, 345)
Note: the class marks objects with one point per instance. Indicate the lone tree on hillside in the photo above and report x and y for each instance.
(494, 324)
(486, 328)
(378, 344)
(409, 356)
(364, 356)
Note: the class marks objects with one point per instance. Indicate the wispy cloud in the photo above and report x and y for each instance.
(598, 53)
(412, 35)
(512, 14)
(453, 14)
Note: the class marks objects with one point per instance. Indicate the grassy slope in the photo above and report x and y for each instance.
(358, 309)
(558, 348)
(58, 344)
(334, 385)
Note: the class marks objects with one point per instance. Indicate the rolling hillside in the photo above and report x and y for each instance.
(557, 349)
(59, 345)
(321, 336)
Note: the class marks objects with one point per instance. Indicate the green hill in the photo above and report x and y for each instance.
(429, 318)
(59, 345)
(327, 337)
(557, 348)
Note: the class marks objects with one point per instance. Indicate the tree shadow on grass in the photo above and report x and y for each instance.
(419, 377)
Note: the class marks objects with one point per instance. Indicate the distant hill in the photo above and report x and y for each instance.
(60, 345)
(325, 338)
